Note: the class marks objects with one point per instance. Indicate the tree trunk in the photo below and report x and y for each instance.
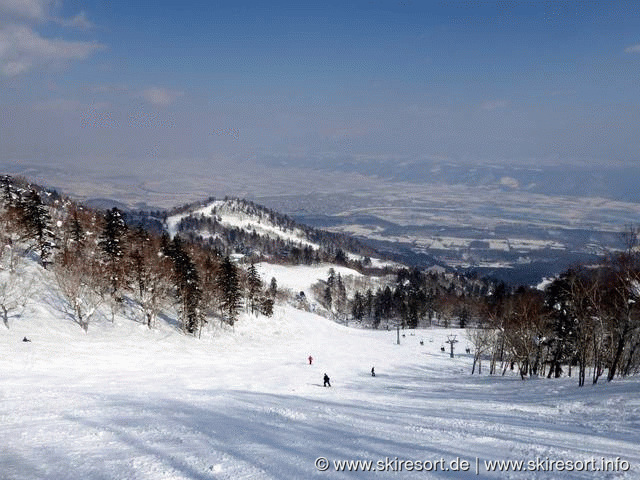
(618, 354)
(627, 368)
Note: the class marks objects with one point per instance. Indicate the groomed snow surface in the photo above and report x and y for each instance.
(125, 402)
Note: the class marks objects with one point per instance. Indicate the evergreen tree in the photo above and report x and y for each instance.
(368, 303)
(341, 257)
(273, 287)
(254, 285)
(463, 316)
(327, 297)
(266, 306)
(340, 297)
(331, 278)
(77, 232)
(209, 265)
(562, 340)
(36, 220)
(8, 190)
(111, 245)
(229, 289)
(187, 282)
(357, 306)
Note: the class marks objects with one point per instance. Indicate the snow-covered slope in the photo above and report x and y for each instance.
(125, 402)
(301, 277)
(233, 213)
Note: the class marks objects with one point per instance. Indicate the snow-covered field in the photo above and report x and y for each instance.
(125, 402)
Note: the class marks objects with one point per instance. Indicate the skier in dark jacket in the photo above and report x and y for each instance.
(373, 371)
(327, 383)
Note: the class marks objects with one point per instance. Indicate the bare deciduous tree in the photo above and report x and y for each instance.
(482, 339)
(151, 277)
(80, 286)
(15, 286)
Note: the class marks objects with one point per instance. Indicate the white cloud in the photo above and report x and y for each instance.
(509, 182)
(494, 104)
(161, 97)
(80, 21)
(37, 10)
(40, 11)
(633, 49)
(22, 49)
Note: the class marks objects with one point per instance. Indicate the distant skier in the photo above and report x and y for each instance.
(327, 383)
(25, 339)
(310, 359)
(373, 371)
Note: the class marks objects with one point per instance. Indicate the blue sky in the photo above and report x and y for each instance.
(110, 84)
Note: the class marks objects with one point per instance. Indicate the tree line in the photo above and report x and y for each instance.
(412, 298)
(100, 261)
(586, 321)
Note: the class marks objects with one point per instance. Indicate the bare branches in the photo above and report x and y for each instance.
(82, 292)
(15, 285)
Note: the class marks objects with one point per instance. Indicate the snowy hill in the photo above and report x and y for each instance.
(245, 227)
(238, 214)
(123, 401)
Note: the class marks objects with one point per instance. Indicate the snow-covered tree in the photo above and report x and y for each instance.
(150, 272)
(111, 244)
(15, 284)
(79, 283)
(7, 190)
(36, 222)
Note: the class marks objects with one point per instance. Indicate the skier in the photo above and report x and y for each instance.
(327, 383)
(373, 371)
(310, 359)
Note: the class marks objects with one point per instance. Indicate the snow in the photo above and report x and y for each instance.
(544, 283)
(124, 402)
(230, 214)
(300, 277)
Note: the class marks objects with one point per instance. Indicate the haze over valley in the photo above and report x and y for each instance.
(519, 224)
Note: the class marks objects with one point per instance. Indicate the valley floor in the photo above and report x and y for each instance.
(125, 402)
